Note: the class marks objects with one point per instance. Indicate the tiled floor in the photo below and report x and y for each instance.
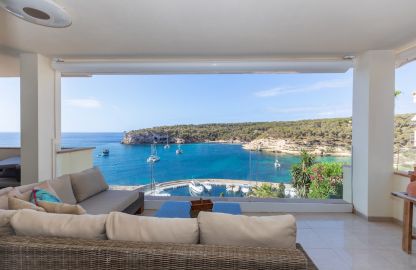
(345, 241)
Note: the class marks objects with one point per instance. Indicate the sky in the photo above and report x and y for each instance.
(122, 103)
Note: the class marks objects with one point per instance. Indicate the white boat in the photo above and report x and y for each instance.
(167, 146)
(105, 152)
(232, 188)
(196, 187)
(245, 188)
(159, 193)
(153, 159)
(153, 155)
(276, 163)
(207, 186)
(179, 150)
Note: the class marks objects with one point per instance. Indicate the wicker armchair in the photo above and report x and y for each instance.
(18, 252)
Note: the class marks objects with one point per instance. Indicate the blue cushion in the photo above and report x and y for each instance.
(43, 195)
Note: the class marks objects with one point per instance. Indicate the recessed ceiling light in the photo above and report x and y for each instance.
(42, 12)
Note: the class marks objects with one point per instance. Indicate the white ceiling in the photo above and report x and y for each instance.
(218, 29)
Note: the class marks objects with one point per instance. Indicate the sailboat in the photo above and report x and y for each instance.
(207, 186)
(179, 150)
(167, 146)
(153, 155)
(276, 162)
(196, 187)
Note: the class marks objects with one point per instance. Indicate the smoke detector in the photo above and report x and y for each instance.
(42, 12)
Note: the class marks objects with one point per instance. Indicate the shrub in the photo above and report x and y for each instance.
(326, 180)
(268, 191)
(300, 174)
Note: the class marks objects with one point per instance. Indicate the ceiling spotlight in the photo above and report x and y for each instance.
(42, 12)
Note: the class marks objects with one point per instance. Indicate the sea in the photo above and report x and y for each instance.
(127, 164)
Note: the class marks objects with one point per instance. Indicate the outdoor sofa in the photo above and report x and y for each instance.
(89, 189)
(106, 238)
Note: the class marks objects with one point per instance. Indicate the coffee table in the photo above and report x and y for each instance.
(182, 209)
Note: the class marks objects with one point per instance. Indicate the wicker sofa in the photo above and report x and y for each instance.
(36, 253)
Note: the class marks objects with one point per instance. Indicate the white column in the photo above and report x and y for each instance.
(372, 131)
(40, 117)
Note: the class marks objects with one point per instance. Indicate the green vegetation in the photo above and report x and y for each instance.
(301, 178)
(268, 191)
(335, 132)
(326, 181)
(317, 180)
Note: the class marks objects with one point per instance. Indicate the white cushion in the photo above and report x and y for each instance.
(33, 223)
(125, 227)
(239, 230)
(63, 188)
(5, 227)
(87, 183)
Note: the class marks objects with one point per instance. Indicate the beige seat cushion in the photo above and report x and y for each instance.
(32, 223)
(87, 183)
(17, 204)
(62, 208)
(63, 188)
(5, 227)
(109, 201)
(239, 230)
(125, 227)
(4, 204)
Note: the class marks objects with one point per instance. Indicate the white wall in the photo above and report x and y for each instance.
(372, 131)
(38, 110)
(74, 161)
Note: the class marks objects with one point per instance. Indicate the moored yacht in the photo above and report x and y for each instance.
(179, 151)
(207, 186)
(196, 187)
(153, 155)
(245, 188)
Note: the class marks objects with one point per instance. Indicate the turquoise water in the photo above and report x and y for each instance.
(126, 164)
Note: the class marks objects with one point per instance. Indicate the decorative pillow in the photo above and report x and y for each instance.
(31, 223)
(43, 195)
(63, 188)
(125, 227)
(62, 208)
(5, 191)
(46, 186)
(26, 188)
(5, 227)
(87, 183)
(240, 230)
(16, 204)
(3, 197)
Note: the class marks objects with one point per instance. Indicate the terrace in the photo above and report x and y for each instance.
(361, 231)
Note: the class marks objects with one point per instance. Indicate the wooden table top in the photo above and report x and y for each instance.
(404, 196)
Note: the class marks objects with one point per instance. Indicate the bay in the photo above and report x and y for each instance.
(127, 165)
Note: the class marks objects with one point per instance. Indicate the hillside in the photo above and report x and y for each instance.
(334, 135)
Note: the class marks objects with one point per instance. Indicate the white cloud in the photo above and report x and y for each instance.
(86, 103)
(329, 84)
